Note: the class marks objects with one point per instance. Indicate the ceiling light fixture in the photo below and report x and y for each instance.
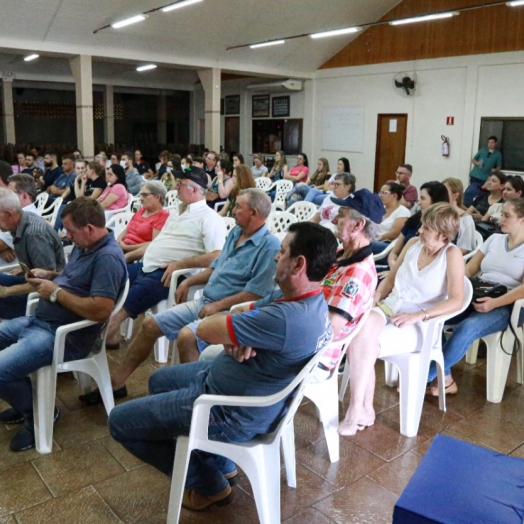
(146, 67)
(178, 5)
(128, 21)
(28, 58)
(266, 44)
(336, 32)
(516, 3)
(425, 18)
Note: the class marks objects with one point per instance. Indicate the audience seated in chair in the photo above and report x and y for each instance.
(87, 289)
(146, 223)
(427, 281)
(26, 190)
(409, 194)
(35, 244)
(243, 272)
(265, 350)
(494, 185)
(192, 239)
(343, 186)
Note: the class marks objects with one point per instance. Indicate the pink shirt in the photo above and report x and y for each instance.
(120, 191)
(140, 229)
(294, 171)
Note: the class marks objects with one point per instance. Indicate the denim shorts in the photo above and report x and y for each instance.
(145, 289)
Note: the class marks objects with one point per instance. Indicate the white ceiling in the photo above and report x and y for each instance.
(193, 37)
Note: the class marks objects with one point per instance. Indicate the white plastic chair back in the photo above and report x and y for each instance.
(119, 222)
(41, 201)
(279, 221)
(219, 205)
(258, 458)
(283, 186)
(230, 223)
(51, 213)
(303, 210)
(126, 209)
(478, 244)
(44, 380)
(67, 252)
(263, 182)
(171, 198)
(325, 394)
(385, 252)
(413, 368)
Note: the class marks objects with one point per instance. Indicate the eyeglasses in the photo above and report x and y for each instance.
(337, 184)
(384, 193)
(144, 195)
(400, 173)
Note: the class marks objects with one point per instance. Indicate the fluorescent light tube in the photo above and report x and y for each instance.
(128, 21)
(146, 67)
(336, 32)
(424, 18)
(28, 58)
(183, 3)
(516, 3)
(265, 44)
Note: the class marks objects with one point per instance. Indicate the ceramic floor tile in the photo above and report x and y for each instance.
(355, 462)
(136, 495)
(123, 456)
(308, 429)
(509, 409)
(84, 506)
(310, 489)
(395, 475)
(362, 502)
(77, 467)
(519, 452)
(310, 516)
(489, 432)
(8, 519)
(21, 487)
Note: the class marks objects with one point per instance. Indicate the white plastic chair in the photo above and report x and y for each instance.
(41, 201)
(282, 187)
(478, 244)
(259, 458)
(325, 395)
(303, 210)
(44, 380)
(219, 205)
(230, 223)
(499, 359)
(413, 368)
(263, 182)
(119, 222)
(126, 209)
(385, 253)
(279, 221)
(171, 199)
(51, 213)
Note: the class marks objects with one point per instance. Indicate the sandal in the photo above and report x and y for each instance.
(451, 389)
(349, 428)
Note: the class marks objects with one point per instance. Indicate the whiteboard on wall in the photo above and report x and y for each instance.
(343, 129)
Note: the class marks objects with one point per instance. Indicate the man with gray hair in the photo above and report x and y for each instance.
(36, 244)
(24, 186)
(243, 272)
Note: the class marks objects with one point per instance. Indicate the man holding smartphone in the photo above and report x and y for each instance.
(36, 245)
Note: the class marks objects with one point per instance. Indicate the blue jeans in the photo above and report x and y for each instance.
(58, 224)
(148, 427)
(316, 196)
(26, 345)
(473, 190)
(12, 307)
(475, 325)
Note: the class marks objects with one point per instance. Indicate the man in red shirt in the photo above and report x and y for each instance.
(410, 193)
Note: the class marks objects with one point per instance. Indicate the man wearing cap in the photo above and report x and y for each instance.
(194, 238)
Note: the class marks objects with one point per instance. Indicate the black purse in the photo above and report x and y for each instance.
(486, 229)
(485, 288)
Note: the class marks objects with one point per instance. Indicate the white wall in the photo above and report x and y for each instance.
(467, 88)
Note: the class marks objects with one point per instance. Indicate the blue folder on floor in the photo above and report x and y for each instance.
(459, 483)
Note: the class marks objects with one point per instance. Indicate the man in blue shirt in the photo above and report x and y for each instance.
(265, 349)
(243, 272)
(65, 180)
(52, 172)
(87, 289)
(488, 160)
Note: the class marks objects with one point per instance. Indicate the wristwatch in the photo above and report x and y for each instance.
(54, 295)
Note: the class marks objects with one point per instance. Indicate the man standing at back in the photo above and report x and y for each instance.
(488, 160)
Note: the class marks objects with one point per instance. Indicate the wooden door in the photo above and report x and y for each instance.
(391, 147)
(232, 134)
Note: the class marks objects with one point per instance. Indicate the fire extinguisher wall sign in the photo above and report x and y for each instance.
(445, 145)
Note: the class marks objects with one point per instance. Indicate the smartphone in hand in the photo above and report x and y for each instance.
(27, 272)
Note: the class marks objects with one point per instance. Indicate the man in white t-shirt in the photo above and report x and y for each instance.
(192, 239)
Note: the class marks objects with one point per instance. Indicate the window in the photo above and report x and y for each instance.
(510, 133)
(272, 135)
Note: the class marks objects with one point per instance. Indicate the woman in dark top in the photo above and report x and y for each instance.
(495, 186)
(430, 193)
(92, 182)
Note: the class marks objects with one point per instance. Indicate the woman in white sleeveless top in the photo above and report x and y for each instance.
(427, 281)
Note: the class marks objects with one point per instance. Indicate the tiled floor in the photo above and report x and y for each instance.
(89, 478)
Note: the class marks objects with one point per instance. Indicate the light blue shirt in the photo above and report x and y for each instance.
(248, 267)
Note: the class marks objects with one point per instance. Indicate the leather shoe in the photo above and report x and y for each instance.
(94, 397)
(196, 502)
(11, 416)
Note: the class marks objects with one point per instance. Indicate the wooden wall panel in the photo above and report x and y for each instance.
(488, 30)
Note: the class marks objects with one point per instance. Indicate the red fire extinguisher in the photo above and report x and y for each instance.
(445, 145)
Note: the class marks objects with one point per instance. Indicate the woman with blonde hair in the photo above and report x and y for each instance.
(465, 240)
(279, 168)
(242, 179)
